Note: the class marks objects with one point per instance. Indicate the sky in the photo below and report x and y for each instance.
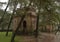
(3, 0)
(4, 6)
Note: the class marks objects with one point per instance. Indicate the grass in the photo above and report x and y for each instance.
(4, 38)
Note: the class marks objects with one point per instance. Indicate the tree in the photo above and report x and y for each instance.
(47, 13)
(15, 4)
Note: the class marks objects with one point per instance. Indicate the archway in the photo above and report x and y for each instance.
(24, 26)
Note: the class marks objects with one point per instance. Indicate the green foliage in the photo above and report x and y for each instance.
(47, 16)
(3, 38)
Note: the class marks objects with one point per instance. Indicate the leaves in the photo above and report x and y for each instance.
(49, 14)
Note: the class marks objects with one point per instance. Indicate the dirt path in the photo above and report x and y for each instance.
(44, 37)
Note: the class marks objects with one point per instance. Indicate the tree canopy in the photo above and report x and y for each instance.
(48, 10)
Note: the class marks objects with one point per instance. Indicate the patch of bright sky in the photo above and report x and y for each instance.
(57, 3)
(4, 5)
(3, 0)
(18, 6)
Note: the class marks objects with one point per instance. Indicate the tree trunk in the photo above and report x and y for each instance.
(1, 20)
(15, 4)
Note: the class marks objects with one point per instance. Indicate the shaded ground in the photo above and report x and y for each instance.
(47, 37)
(43, 37)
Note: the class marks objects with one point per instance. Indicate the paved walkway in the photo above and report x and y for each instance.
(47, 37)
(57, 37)
(43, 37)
